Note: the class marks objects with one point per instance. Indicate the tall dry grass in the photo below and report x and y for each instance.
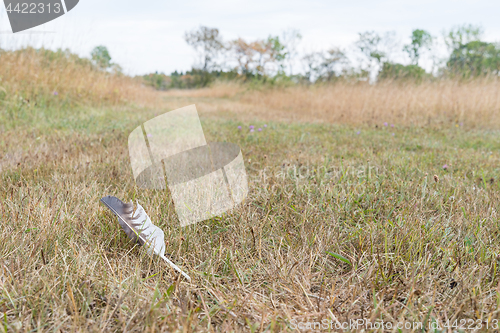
(474, 103)
(34, 77)
(46, 78)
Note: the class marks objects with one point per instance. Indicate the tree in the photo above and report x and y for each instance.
(376, 48)
(369, 44)
(469, 55)
(100, 57)
(312, 61)
(420, 39)
(332, 58)
(208, 43)
(277, 50)
(324, 66)
(461, 35)
(244, 54)
(475, 58)
(291, 38)
(261, 57)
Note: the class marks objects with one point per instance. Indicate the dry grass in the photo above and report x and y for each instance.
(34, 76)
(337, 226)
(217, 90)
(418, 250)
(473, 103)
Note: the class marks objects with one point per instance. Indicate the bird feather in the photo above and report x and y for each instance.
(139, 228)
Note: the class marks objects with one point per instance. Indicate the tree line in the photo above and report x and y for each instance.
(275, 59)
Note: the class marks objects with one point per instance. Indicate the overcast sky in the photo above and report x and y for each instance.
(147, 36)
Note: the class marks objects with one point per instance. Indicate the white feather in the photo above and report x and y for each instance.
(138, 227)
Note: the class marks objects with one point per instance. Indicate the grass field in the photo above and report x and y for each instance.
(344, 220)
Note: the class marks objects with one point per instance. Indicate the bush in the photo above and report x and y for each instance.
(195, 78)
(399, 72)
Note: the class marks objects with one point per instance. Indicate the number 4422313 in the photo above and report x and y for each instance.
(34, 8)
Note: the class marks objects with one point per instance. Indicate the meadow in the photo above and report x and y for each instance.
(375, 202)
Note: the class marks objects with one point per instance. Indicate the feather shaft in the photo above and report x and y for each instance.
(174, 266)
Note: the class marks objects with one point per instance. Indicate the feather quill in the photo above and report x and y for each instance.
(139, 228)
